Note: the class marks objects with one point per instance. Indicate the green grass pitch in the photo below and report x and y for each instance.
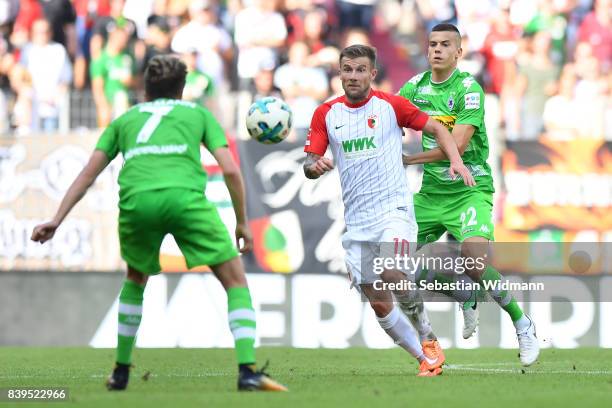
(317, 378)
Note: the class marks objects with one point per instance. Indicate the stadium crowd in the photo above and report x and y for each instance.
(547, 62)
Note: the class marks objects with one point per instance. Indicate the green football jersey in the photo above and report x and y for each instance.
(198, 87)
(458, 100)
(160, 142)
(114, 70)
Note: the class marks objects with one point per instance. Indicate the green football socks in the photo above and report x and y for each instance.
(130, 314)
(241, 316)
(502, 297)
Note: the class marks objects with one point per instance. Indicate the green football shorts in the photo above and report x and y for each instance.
(146, 217)
(464, 215)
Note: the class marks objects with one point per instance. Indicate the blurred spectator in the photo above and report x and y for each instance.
(303, 87)
(560, 109)
(263, 84)
(111, 76)
(199, 87)
(522, 11)
(436, 11)
(500, 50)
(596, 29)
(335, 84)
(139, 11)
(29, 11)
(472, 61)
(294, 12)
(161, 10)
(177, 7)
(213, 43)
(473, 20)
(607, 125)
(323, 52)
(8, 11)
(355, 13)
(6, 63)
(158, 40)
(106, 24)
(536, 82)
(259, 33)
(590, 92)
(87, 12)
(45, 74)
(548, 18)
(61, 15)
(315, 30)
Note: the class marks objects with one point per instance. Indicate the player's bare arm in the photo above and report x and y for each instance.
(97, 163)
(235, 185)
(462, 135)
(315, 166)
(449, 149)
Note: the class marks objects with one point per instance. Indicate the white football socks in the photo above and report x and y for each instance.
(397, 327)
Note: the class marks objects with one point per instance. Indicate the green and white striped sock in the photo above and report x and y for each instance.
(241, 316)
(130, 314)
(502, 297)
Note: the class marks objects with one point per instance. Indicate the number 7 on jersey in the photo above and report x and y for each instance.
(157, 113)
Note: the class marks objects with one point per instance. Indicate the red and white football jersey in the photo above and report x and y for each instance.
(366, 141)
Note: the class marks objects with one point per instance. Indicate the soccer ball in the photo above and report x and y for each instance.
(269, 120)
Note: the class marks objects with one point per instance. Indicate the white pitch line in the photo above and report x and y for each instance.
(501, 363)
(472, 367)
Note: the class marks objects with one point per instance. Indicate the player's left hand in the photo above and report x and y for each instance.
(460, 169)
(244, 232)
(406, 159)
(44, 232)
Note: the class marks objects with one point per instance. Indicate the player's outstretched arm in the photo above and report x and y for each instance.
(462, 135)
(449, 146)
(97, 162)
(235, 185)
(316, 165)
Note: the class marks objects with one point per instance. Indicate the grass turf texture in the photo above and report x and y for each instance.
(336, 378)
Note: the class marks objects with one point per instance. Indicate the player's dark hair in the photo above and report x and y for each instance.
(359, 50)
(447, 27)
(165, 77)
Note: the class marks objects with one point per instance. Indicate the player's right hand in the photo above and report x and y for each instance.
(244, 232)
(463, 172)
(44, 232)
(321, 166)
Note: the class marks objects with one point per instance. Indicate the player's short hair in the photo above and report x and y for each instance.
(165, 77)
(359, 50)
(448, 27)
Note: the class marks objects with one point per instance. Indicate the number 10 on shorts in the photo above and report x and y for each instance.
(401, 247)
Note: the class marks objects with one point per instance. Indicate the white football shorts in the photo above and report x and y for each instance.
(370, 252)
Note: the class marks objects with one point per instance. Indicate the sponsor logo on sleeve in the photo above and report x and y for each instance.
(472, 100)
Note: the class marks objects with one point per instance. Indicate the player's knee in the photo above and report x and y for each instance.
(231, 273)
(474, 274)
(136, 276)
(381, 308)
